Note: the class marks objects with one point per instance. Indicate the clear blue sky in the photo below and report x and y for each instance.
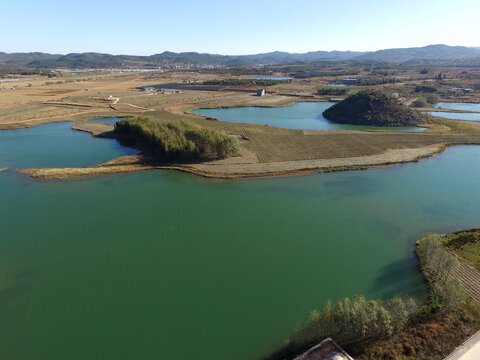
(146, 27)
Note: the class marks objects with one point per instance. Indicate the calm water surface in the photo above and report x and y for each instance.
(458, 106)
(55, 145)
(457, 116)
(160, 264)
(303, 115)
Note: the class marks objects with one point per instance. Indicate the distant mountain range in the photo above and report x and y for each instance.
(38, 60)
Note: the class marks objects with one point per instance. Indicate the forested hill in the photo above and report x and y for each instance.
(38, 60)
(97, 60)
(374, 109)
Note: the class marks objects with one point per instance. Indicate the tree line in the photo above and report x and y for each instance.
(176, 140)
(258, 82)
(335, 91)
(352, 321)
(446, 289)
(376, 81)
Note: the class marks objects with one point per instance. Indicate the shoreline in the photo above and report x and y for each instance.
(242, 168)
(247, 163)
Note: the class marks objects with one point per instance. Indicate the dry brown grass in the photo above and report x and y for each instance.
(267, 144)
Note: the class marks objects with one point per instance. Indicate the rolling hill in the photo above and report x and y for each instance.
(39, 60)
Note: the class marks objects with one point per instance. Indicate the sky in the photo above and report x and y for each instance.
(146, 27)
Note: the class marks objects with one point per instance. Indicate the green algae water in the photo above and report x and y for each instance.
(302, 115)
(162, 264)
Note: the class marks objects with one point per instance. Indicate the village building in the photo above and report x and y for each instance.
(260, 92)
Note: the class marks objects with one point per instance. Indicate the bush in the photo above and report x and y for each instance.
(180, 140)
(425, 89)
(332, 91)
(452, 293)
(420, 102)
(431, 98)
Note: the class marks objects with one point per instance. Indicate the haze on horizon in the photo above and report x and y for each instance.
(234, 28)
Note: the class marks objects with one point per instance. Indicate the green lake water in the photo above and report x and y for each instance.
(162, 264)
(302, 115)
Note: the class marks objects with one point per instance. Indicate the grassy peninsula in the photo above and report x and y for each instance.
(373, 108)
(182, 140)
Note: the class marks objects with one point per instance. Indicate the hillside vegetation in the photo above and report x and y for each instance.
(373, 108)
(176, 140)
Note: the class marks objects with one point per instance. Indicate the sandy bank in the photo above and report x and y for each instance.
(243, 167)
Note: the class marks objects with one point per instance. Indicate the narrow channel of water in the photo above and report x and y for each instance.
(303, 115)
(460, 107)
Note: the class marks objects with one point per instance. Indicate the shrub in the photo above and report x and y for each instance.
(420, 102)
(332, 91)
(431, 98)
(452, 293)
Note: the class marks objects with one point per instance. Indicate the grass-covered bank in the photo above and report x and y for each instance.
(176, 140)
(399, 329)
(466, 244)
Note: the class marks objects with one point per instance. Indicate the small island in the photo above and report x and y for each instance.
(375, 109)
